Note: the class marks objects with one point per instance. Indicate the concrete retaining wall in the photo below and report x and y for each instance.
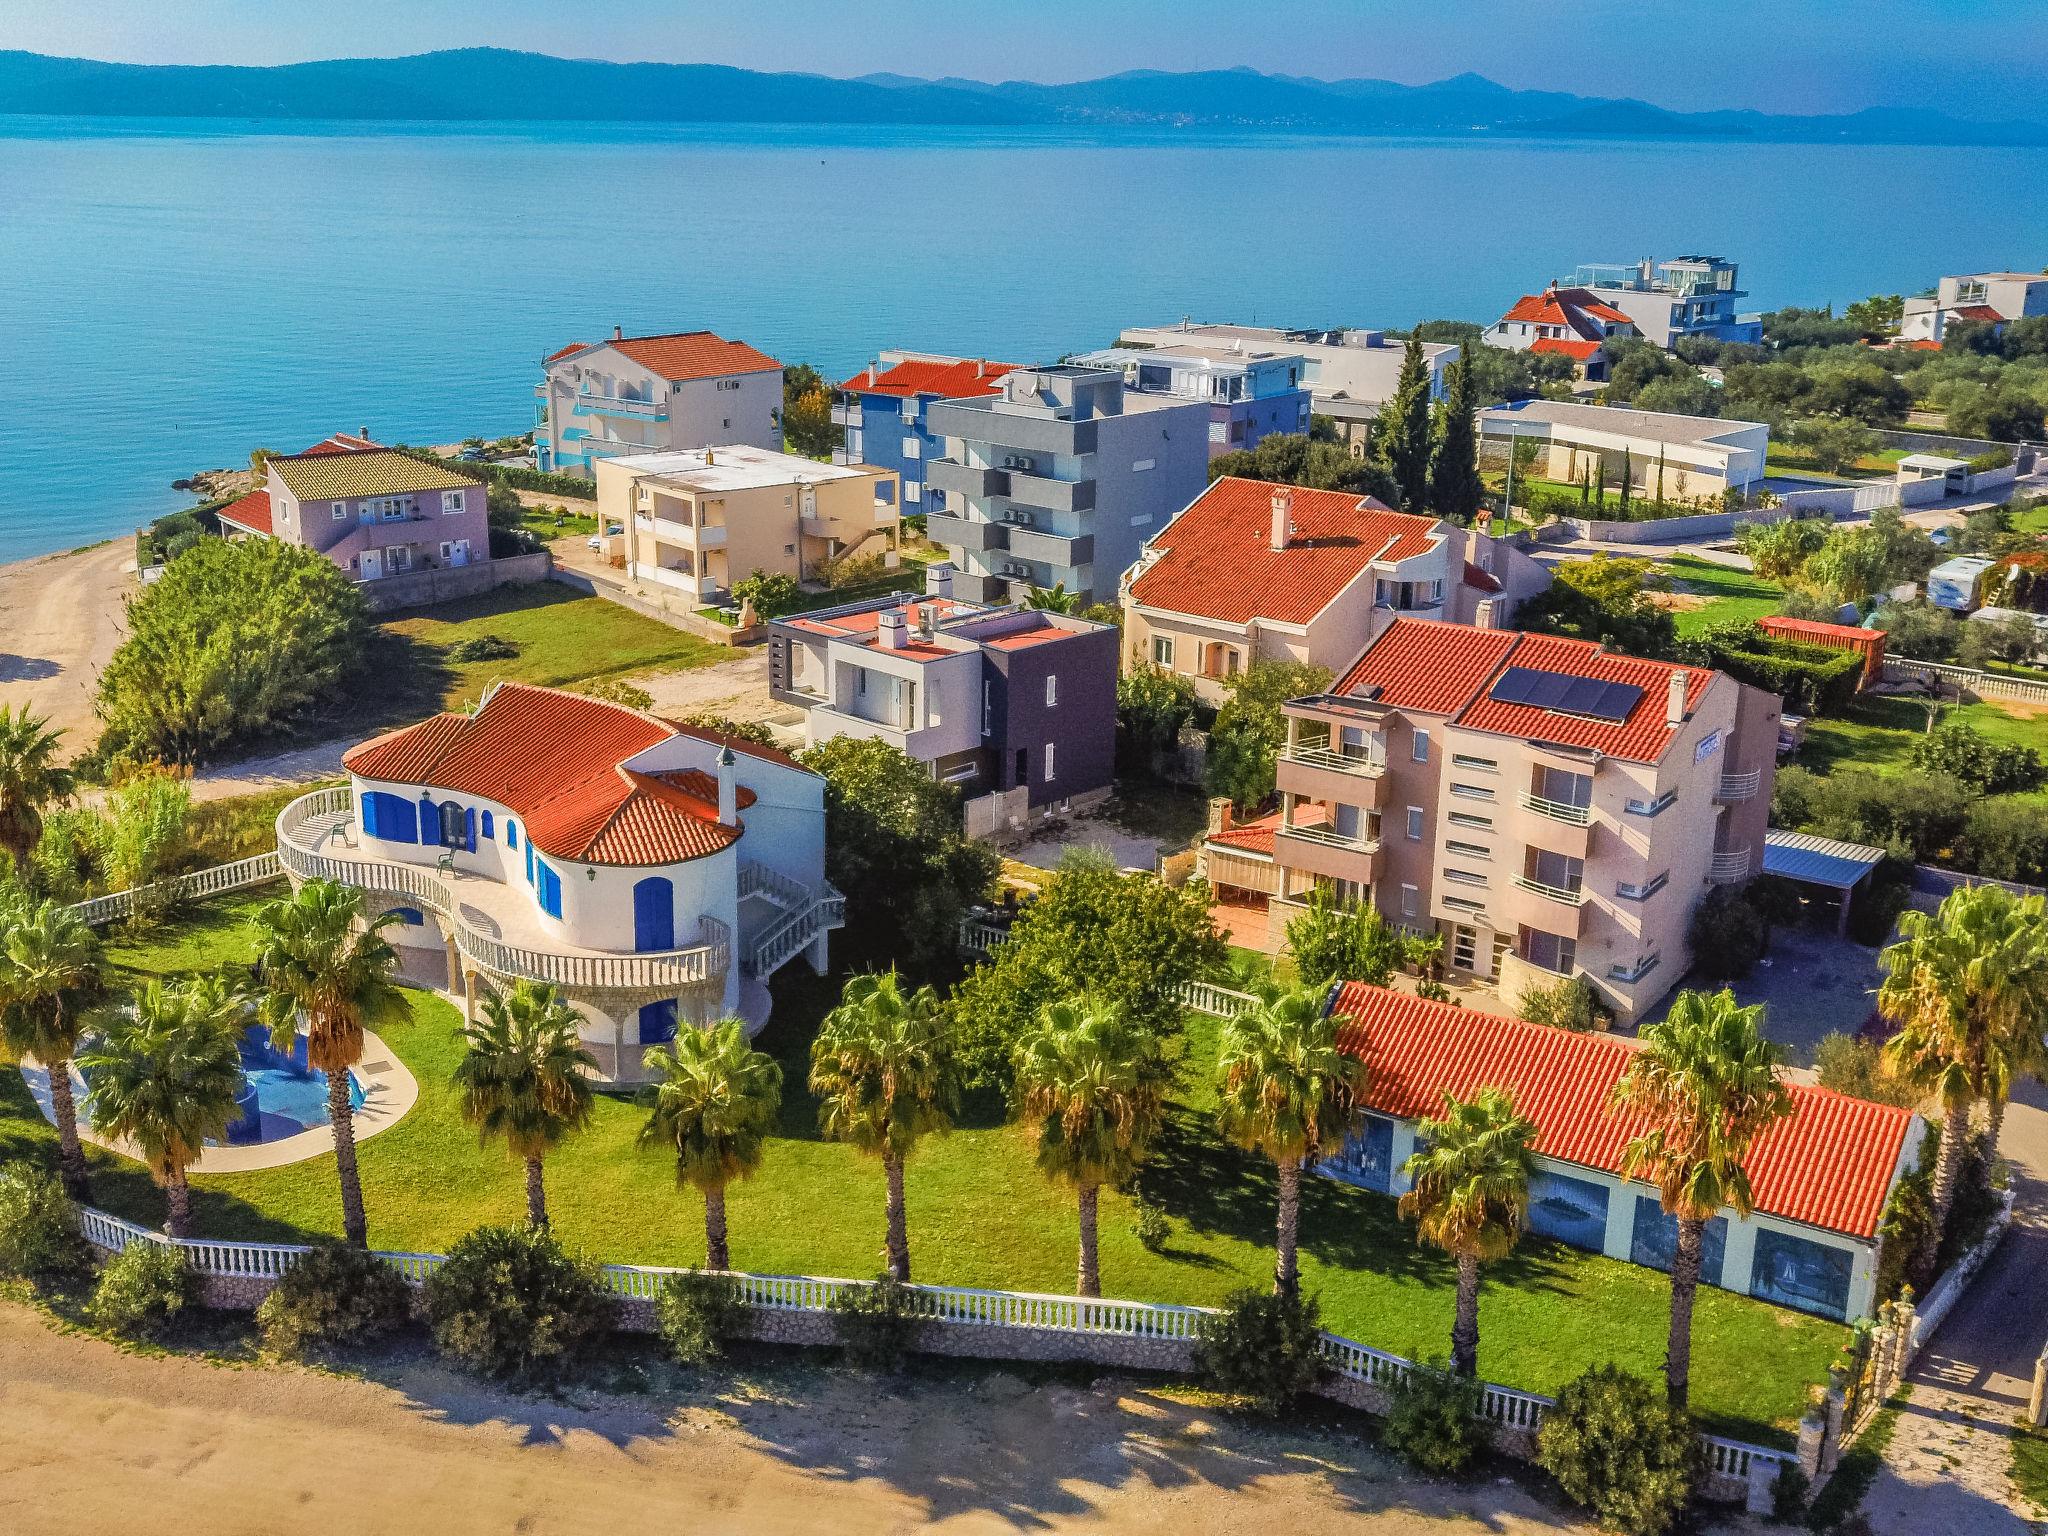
(677, 614)
(417, 589)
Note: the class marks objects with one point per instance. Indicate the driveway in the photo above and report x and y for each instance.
(64, 615)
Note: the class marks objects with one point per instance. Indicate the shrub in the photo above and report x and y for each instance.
(1813, 679)
(1788, 1494)
(616, 690)
(512, 1304)
(39, 1236)
(2005, 840)
(1336, 940)
(1876, 913)
(143, 1289)
(771, 591)
(1848, 1065)
(878, 1323)
(1618, 1449)
(335, 1295)
(1434, 1420)
(1262, 1347)
(483, 648)
(1151, 1226)
(1727, 934)
(1570, 1004)
(696, 1312)
(1958, 749)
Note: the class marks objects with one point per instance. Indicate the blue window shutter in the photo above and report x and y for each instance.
(487, 834)
(469, 829)
(511, 834)
(529, 862)
(430, 822)
(367, 814)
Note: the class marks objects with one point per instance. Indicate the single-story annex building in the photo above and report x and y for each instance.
(1820, 1178)
(1695, 457)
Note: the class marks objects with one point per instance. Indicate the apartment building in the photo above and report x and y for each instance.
(1254, 572)
(372, 511)
(1567, 322)
(1992, 298)
(696, 522)
(1251, 391)
(649, 394)
(988, 698)
(1660, 454)
(1057, 476)
(1550, 808)
(1667, 300)
(1357, 368)
(884, 413)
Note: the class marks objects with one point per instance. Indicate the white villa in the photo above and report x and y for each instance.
(651, 871)
(1692, 456)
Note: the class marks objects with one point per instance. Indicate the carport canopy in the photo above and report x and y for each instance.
(1820, 861)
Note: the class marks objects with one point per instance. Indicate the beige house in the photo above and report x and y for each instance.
(1258, 572)
(698, 521)
(1550, 808)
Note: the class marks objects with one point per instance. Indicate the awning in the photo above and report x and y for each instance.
(1818, 860)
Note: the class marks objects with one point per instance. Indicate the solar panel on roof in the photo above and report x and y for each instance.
(1512, 686)
(1566, 694)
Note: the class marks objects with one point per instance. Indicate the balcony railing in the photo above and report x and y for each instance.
(306, 832)
(1569, 896)
(1342, 762)
(1739, 786)
(1329, 837)
(618, 405)
(1727, 868)
(846, 413)
(1558, 810)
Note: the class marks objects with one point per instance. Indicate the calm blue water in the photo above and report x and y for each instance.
(173, 294)
(289, 1097)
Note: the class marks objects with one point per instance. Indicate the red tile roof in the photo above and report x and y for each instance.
(556, 760)
(1578, 351)
(1484, 581)
(694, 355)
(1249, 836)
(739, 744)
(1924, 346)
(1983, 312)
(251, 512)
(341, 442)
(949, 381)
(1829, 1165)
(1217, 561)
(1571, 307)
(559, 354)
(1428, 666)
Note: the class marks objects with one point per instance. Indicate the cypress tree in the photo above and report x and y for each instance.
(1455, 489)
(1402, 430)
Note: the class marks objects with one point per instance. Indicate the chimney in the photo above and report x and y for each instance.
(728, 790)
(1674, 699)
(1219, 815)
(363, 433)
(618, 333)
(872, 374)
(981, 367)
(709, 458)
(938, 579)
(1283, 519)
(928, 620)
(889, 629)
(1486, 614)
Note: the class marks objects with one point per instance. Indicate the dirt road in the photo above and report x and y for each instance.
(60, 618)
(96, 1440)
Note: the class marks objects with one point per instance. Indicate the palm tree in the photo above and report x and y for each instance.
(1704, 1086)
(165, 1077)
(49, 974)
(713, 1105)
(1053, 599)
(319, 960)
(525, 1078)
(1968, 988)
(1469, 1195)
(884, 1067)
(1289, 1093)
(1097, 1088)
(30, 779)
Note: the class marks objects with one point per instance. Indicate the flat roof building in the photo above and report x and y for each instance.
(1675, 458)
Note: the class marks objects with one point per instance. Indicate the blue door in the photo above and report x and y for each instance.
(658, 1022)
(654, 914)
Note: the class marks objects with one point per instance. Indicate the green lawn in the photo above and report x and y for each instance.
(2030, 1466)
(1732, 596)
(1881, 465)
(979, 1215)
(2033, 520)
(1878, 732)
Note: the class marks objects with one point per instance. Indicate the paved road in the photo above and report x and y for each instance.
(1946, 1471)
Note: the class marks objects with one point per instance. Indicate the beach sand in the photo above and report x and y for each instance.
(61, 616)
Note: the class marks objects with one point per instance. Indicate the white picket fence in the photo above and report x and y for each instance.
(213, 881)
(947, 1305)
(979, 937)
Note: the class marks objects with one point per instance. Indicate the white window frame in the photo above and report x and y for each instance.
(1052, 690)
(340, 511)
(451, 503)
(1050, 746)
(1162, 652)
(1415, 823)
(1411, 901)
(1418, 747)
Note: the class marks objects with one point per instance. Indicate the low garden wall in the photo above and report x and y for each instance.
(977, 1324)
(417, 589)
(1968, 680)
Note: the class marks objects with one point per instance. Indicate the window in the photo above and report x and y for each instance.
(1549, 951)
(451, 503)
(1411, 901)
(340, 511)
(1642, 890)
(549, 884)
(988, 708)
(1418, 749)
(447, 550)
(1463, 876)
(1468, 819)
(1558, 871)
(1162, 651)
(390, 817)
(1469, 850)
(1797, 1272)
(1471, 791)
(1464, 904)
(1475, 764)
(1567, 1209)
(1049, 746)
(511, 834)
(487, 828)
(1415, 823)
(1562, 788)
(1464, 947)
(1052, 689)
(1655, 807)
(1634, 971)
(1654, 1241)
(913, 490)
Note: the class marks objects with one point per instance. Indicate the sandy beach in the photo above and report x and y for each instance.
(90, 1434)
(61, 616)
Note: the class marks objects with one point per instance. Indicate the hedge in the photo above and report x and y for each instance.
(1812, 679)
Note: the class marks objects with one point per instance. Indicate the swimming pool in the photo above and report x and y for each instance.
(281, 1096)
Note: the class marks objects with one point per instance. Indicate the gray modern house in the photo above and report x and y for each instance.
(991, 699)
(1058, 477)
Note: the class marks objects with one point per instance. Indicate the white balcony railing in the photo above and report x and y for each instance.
(619, 405)
(1558, 810)
(1329, 837)
(1727, 868)
(1342, 762)
(1739, 786)
(1567, 895)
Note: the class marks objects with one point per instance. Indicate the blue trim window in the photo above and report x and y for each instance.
(550, 888)
(1794, 1272)
(488, 833)
(529, 861)
(1654, 1242)
(412, 917)
(390, 817)
(1569, 1210)
(511, 834)
(1367, 1158)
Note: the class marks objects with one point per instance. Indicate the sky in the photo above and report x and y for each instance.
(1971, 58)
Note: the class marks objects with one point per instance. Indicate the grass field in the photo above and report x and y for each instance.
(1878, 732)
(979, 1215)
(1732, 596)
(1881, 465)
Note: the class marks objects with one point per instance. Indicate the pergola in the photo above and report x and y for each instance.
(1822, 866)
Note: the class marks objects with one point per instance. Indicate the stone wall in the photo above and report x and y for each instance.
(417, 589)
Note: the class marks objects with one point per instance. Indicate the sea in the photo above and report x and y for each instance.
(175, 293)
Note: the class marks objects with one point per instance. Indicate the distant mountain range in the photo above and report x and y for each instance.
(492, 84)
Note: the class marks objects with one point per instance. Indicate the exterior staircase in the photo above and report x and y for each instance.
(802, 913)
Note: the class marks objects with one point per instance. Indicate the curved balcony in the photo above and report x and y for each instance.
(1736, 787)
(1729, 868)
(315, 841)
